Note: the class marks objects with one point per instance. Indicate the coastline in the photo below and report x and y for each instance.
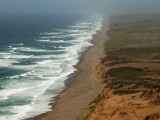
(129, 71)
(74, 100)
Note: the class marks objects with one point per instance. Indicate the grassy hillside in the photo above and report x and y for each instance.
(133, 69)
(133, 50)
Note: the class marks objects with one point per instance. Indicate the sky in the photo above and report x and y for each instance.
(110, 7)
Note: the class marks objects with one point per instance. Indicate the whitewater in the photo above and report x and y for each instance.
(32, 75)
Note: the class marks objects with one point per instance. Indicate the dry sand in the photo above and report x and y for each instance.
(125, 107)
(72, 102)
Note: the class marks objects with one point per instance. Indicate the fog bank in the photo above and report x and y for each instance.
(108, 7)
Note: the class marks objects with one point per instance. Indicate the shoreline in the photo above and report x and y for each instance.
(129, 71)
(74, 100)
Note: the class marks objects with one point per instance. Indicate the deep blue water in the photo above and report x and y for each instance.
(37, 54)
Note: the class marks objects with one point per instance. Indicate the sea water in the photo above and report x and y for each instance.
(37, 55)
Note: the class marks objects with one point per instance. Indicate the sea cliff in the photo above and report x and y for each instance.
(129, 71)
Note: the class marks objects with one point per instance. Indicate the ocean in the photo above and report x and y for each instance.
(38, 54)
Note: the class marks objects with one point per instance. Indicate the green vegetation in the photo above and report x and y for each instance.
(105, 81)
(97, 100)
(92, 108)
(126, 73)
(86, 117)
(125, 55)
(132, 39)
(143, 93)
(93, 105)
(127, 80)
(125, 91)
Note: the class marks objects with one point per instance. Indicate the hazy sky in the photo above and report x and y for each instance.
(50, 6)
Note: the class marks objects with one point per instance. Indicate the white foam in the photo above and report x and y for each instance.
(61, 46)
(79, 26)
(58, 41)
(49, 70)
(52, 33)
(49, 37)
(33, 109)
(44, 62)
(72, 31)
(7, 62)
(4, 94)
(29, 49)
(20, 44)
(44, 40)
(14, 48)
(52, 41)
(16, 56)
(22, 75)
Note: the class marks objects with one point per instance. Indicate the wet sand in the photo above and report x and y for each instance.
(73, 101)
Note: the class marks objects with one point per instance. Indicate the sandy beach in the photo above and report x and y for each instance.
(72, 102)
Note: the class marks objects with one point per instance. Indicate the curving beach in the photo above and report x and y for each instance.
(72, 102)
(79, 60)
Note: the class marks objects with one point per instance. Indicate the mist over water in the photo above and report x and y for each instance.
(107, 7)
